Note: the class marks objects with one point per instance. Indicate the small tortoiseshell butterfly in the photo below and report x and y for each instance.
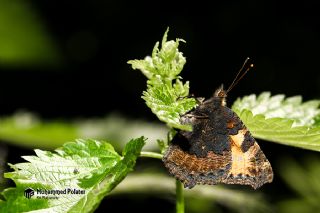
(219, 149)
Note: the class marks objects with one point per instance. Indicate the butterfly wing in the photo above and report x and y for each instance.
(220, 149)
(192, 170)
(249, 164)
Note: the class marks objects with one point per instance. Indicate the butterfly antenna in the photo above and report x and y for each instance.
(238, 76)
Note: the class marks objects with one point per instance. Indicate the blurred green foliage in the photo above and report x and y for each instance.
(24, 41)
(28, 130)
(302, 177)
(202, 198)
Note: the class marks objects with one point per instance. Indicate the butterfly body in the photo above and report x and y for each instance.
(219, 149)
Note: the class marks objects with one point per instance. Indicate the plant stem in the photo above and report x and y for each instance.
(179, 197)
(151, 155)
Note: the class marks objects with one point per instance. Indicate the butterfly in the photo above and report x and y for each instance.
(219, 149)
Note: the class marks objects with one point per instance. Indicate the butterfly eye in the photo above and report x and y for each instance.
(222, 94)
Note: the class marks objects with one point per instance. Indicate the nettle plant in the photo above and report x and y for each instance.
(80, 174)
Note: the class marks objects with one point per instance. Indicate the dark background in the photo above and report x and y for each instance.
(95, 39)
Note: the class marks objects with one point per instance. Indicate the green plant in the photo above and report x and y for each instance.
(93, 168)
(302, 177)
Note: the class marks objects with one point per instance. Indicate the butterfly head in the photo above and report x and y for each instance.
(220, 95)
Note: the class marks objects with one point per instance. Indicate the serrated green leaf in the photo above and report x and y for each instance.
(181, 90)
(132, 150)
(166, 95)
(145, 66)
(87, 165)
(286, 121)
(167, 105)
(278, 106)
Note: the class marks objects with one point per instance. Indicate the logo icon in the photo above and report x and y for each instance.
(28, 193)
